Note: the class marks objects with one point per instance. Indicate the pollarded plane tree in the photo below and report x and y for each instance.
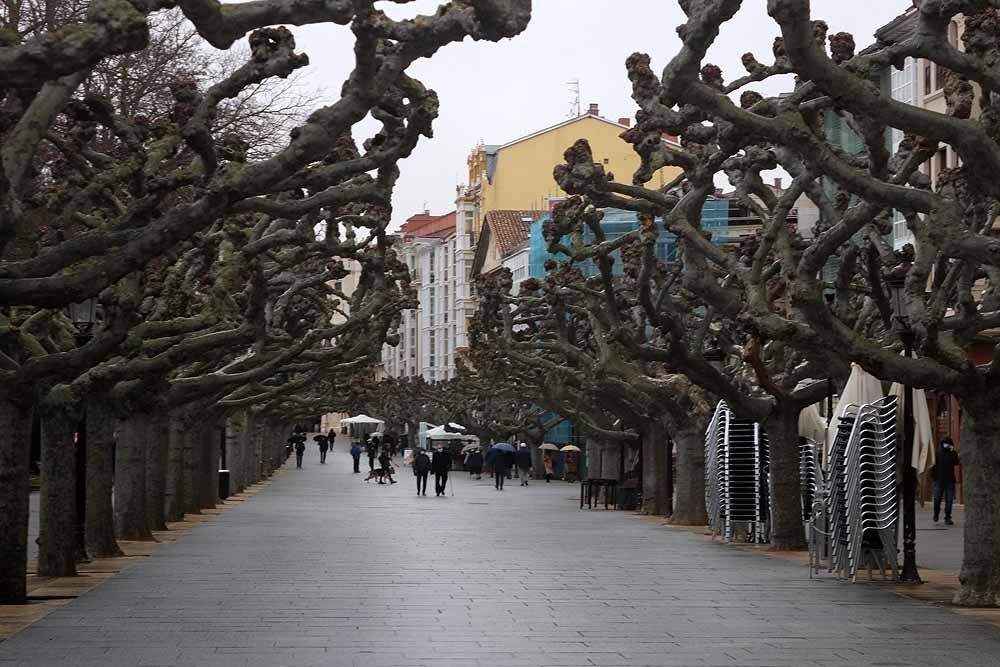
(582, 332)
(109, 214)
(949, 304)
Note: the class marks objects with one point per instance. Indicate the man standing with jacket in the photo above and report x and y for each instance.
(440, 465)
(523, 460)
(943, 474)
(422, 469)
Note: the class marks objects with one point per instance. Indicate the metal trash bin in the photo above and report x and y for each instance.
(223, 484)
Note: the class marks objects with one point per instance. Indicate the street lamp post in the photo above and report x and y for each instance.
(896, 280)
(83, 316)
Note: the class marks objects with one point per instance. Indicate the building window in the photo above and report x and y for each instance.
(942, 160)
(927, 77)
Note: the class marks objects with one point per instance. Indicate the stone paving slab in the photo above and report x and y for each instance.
(321, 569)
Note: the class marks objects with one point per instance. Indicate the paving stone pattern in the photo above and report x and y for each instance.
(323, 569)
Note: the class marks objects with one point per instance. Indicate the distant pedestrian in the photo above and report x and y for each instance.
(372, 452)
(572, 466)
(440, 465)
(300, 449)
(523, 460)
(474, 462)
(501, 467)
(422, 470)
(943, 474)
(386, 462)
(356, 455)
(324, 445)
(547, 464)
(330, 437)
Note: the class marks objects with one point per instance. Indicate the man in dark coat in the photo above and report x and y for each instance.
(523, 460)
(300, 449)
(440, 465)
(356, 455)
(943, 474)
(422, 469)
(372, 450)
(502, 462)
(324, 445)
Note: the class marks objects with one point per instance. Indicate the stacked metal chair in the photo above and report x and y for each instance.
(736, 484)
(809, 476)
(861, 490)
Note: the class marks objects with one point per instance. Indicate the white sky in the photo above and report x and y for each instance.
(498, 92)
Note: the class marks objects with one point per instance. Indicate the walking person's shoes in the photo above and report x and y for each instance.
(935, 518)
(949, 522)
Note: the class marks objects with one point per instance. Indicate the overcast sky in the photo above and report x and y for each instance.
(498, 92)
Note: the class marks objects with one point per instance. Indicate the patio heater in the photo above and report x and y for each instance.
(84, 316)
(896, 281)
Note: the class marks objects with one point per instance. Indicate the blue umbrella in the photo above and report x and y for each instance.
(503, 446)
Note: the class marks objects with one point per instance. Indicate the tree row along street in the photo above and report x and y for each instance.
(293, 577)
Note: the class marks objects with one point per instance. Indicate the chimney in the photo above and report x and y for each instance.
(777, 184)
(627, 122)
(595, 110)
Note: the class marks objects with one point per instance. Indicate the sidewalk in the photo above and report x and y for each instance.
(320, 568)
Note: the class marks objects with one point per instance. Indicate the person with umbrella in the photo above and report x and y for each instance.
(523, 460)
(324, 445)
(503, 458)
(548, 462)
(440, 465)
(422, 469)
(474, 462)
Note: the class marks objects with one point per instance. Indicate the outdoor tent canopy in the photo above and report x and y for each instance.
(361, 419)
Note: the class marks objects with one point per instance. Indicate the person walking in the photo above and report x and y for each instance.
(324, 445)
(300, 449)
(422, 470)
(440, 465)
(475, 463)
(501, 467)
(943, 474)
(331, 436)
(372, 452)
(523, 460)
(356, 455)
(386, 462)
(547, 465)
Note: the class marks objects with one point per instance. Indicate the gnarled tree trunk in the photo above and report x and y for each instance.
(689, 508)
(15, 452)
(656, 492)
(190, 445)
(130, 479)
(57, 534)
(980, 451)
(175, 490)
(207, 487)
(236, 451)
(787, 531)
(100, 516)
(157, 444)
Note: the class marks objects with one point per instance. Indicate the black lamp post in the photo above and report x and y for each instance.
(83, 316)
(896, 280)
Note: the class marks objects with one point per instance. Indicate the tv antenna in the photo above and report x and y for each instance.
(574, 89)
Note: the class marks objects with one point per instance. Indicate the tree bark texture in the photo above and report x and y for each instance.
(15, 451)
(208, 466)
(100, 515)
(157, 443)
(594, 459)
(980, 450)
(689, 508)
(656, 497)
(787, 531)
(611, 460)
(236, 452)
(130, 479)
(175, 491)
(57, 538)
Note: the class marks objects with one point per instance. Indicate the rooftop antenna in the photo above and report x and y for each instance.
(574, 89)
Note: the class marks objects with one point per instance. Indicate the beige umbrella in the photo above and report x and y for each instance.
(923, 444)
(812, 426)
(862, 388)
(548, 446)
(570, 448)
(469, 448)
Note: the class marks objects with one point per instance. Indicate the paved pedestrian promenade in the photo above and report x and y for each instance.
(323, 569)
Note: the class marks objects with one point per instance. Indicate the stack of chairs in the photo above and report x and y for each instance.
(736, 469)
(809, 476)
(861, 490)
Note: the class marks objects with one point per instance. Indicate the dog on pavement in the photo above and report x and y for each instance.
(380, 475)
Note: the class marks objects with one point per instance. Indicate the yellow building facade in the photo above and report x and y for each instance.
(518, 175)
